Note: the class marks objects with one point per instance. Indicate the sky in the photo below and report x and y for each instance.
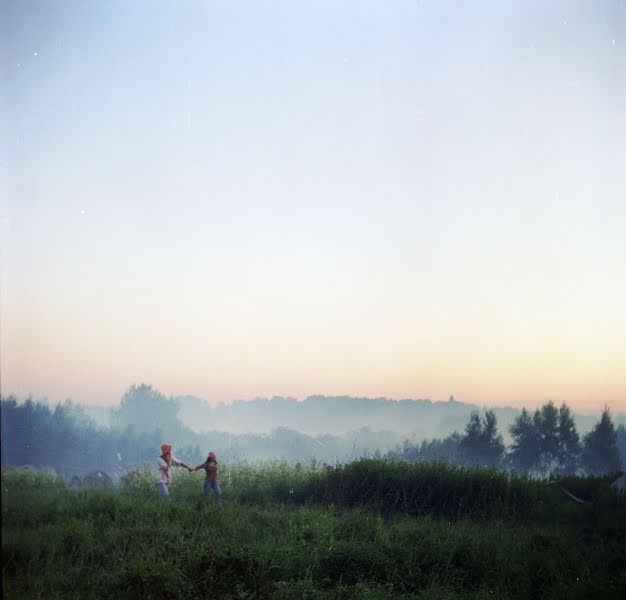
(236, 199)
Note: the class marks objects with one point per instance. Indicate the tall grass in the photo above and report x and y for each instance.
(309, 532)
(436, 490)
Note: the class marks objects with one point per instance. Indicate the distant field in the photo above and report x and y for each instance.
(369, 530)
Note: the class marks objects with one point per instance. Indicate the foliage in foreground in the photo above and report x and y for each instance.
(129, 543)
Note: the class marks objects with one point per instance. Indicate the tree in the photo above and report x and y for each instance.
(600, 453)
(442, 451)
(469, 446)
(524, 452)
(145, 410)
(9, 430)
(621, 444)
(481, 444)
(569, 442)
(546, 423)
(493, 446)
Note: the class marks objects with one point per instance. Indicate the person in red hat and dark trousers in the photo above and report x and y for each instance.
(210, 480)
(165, 463)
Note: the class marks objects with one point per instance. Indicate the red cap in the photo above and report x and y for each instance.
(165, 448)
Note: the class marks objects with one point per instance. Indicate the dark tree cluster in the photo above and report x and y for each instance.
(482, 445)
(544, 443)
(445, 450)
(66, 439)
(548, 443)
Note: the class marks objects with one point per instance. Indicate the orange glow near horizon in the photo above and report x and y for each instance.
(94, 364)
(389, 209)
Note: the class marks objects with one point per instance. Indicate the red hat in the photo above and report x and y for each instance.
(165, 448)
(212, 455)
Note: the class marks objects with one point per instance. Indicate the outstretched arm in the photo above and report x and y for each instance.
(180, 463)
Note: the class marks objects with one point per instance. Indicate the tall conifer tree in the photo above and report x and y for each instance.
(546, 426)
(600, 453)
(524, 452)
(569, 442)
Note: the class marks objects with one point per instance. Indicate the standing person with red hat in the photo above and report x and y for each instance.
(165, 463)
(210, 479)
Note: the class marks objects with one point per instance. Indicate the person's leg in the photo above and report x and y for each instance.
(218, 492)
(163, 489)
(207, 487)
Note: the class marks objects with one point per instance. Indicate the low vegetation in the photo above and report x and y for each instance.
(370, 529)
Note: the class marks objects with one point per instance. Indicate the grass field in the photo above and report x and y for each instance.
(366, 530)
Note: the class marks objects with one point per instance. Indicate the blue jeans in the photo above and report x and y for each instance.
(163, 489)
(215, 485)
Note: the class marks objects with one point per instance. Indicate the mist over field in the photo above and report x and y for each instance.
(327, 429)
(336, 415)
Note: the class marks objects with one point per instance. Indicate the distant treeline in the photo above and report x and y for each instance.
(65, 438)
(545, 443)
(337, 415)
(330, 414)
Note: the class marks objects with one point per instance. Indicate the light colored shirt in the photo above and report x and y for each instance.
(164, 470)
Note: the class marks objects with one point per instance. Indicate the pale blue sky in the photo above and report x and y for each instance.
(233, 199)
